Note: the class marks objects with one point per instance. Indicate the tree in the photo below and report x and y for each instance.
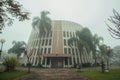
(115, 20)
(115, 58)
(84, 41)
(103, 51)
(43, 24)
(9, 10)
(96, 42)
(28, 53)
(17, 48)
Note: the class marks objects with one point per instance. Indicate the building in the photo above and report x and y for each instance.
(53, 50)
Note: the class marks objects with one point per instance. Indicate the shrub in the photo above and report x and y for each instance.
(10, 63)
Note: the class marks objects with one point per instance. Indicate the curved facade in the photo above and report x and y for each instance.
(53, 50)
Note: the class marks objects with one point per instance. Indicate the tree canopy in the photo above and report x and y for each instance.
(18, 47)
(42, 23)
(115, 20)
(9, 10)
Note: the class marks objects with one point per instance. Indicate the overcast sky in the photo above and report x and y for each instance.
(88, 13)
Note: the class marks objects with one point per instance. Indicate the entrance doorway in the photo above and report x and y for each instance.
(56, 62)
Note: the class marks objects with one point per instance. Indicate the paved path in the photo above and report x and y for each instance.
(53, 74)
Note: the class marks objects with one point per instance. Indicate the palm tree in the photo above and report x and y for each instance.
(84, 41)
(96, 42)
(17, 48)
(43, 24)
(103, 51)
(80, 45)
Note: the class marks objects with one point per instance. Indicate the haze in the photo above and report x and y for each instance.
(89, 13)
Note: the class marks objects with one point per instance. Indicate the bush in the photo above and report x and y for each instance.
(10, 63)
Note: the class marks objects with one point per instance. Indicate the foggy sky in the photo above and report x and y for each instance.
(89, 13)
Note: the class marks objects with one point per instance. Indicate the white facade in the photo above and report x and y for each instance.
(53, 49)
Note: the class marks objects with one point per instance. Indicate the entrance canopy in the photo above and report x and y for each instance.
(57, 55)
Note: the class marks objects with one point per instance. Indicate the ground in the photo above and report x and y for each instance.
(53, 74)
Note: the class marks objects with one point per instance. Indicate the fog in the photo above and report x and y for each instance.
(89, 13)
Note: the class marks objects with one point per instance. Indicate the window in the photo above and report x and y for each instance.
(76, 52)
(69, 51)
(49, 50)
(43, 43)
(41, 50)
(66, 61)
(45, 50)
(50, 34)
(72, 51)
(50, 42)
(64, 34)
(67, 34)
(48, 61)
(40, 41)
(36, 61)
(46, 42)
(65, 50)
(43, 61)
(70, 60)
(64, 42)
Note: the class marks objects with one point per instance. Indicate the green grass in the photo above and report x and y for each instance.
(97, 75)
(11, 75)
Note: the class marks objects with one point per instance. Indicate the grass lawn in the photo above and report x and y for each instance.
(114, 74)
(11, 75)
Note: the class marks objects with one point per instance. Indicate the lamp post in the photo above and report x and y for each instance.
(2, 41)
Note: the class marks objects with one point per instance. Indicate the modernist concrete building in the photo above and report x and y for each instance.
(53, 49)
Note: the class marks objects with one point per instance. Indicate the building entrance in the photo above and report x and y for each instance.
(57, 62)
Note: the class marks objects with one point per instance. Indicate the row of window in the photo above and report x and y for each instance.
(36, 35)
(43, 42)
(66, 43)
(68, 34)
(71, 51)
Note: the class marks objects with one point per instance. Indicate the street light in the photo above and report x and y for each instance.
(2, 41)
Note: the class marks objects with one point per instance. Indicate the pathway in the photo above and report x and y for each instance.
(53, 74)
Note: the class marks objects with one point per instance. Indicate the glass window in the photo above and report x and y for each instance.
(70, 60)
(43, 61)
(65, 50)
(50, 34)
(41, 50)
(50, 42)
(46, 42)
(48, 61)
(43, 43)
(69, 50)
(67, 34)
(76, 52)
(64, 34)
(66, 61)
(49, 50)
(72, 51)
(64, 42)
(45, 50)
